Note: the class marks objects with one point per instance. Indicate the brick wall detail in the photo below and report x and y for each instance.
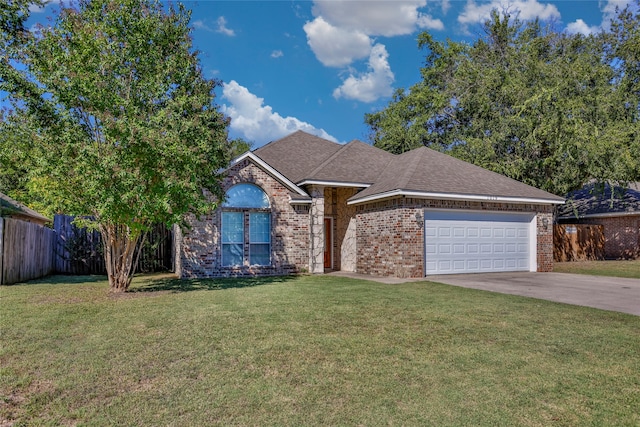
(383, 238)
(344, 226)
(200, 249)
(390, 233)
(621, 235)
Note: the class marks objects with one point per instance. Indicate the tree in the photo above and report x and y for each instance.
(130, 135)
(238, 146)
(525, 101)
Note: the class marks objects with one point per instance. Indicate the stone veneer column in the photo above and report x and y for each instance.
(316, 240)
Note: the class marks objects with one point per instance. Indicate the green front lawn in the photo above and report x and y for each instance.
(601, 268)
(312, 350)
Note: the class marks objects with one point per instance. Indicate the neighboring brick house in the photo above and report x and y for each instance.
(305, 204)
(617, 213)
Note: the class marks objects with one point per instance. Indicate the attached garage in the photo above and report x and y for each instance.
(478, 242)
(357, 208)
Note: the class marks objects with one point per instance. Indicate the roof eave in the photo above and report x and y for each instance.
(334, 183)
(269, 169)
(454, 196)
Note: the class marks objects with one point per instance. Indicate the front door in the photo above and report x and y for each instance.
(328, 234)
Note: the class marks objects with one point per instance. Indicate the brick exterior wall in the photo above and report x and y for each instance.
(621, 235)
(390, 233)
(343, 215)
(200, 249)
(383, 238)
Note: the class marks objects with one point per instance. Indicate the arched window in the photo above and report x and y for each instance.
(246, 226)
(246, 196)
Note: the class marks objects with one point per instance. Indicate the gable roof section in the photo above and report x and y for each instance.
(355, 164)
(589, 201)
(296, 194)
(13, 207)
(294, 156)
(425, 173)
(302, 159)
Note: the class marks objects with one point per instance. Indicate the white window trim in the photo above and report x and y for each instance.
(231, 243)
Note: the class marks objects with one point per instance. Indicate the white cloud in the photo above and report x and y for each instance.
(371, 85)
(200, 25)
(384, 18)
(333, 46)
(579, 26)
(37, 9)
(608, 9)
(277, 54)
(526, 10)
(446, 4)
(342, 32)
(258, 122)
(222, 27)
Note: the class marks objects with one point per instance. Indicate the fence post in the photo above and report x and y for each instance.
(1, 251)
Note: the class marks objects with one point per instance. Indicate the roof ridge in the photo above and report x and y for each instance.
(273, 141)
(329, 159)
(411, 166)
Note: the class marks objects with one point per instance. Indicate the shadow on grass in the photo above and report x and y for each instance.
(63, 279)
(187, 285)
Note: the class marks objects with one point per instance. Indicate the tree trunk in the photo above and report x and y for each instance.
(121, 254)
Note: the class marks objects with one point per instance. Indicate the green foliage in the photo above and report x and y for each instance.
(120, 123)
(546, 108)
(238, 146)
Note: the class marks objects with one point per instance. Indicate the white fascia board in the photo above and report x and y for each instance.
(249, 155)
(299, 202)
(334, 183)
(454, 196)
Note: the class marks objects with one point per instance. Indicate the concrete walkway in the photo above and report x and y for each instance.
(606, 293)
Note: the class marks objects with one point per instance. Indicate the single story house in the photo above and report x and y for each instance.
(616, 209)
(10, 208)
(305, 204)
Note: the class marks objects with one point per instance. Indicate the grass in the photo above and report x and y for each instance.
(601, 268)
(311, 350)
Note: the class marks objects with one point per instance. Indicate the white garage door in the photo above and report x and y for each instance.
(477, 242)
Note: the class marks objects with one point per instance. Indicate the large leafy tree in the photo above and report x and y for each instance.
(121, 123)
(543, 107)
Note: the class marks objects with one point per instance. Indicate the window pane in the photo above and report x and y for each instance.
(246, 196)
(232, 227)
(232, 254)
(259, 227)
(259, 254)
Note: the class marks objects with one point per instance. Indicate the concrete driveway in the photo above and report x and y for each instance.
(607, 293)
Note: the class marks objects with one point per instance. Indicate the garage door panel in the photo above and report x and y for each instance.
(460, 242)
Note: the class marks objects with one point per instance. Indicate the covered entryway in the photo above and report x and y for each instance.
(478, 242)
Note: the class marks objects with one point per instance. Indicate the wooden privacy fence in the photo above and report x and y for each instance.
(79, 251)
(26, 251)
(578, 242)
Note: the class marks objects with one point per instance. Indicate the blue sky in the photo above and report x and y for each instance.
(319, 66)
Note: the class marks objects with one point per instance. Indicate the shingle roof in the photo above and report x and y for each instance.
(355, 162)
(294, 156)
(591, 200)
(304, 158)
(428, 171)
(13, 207)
